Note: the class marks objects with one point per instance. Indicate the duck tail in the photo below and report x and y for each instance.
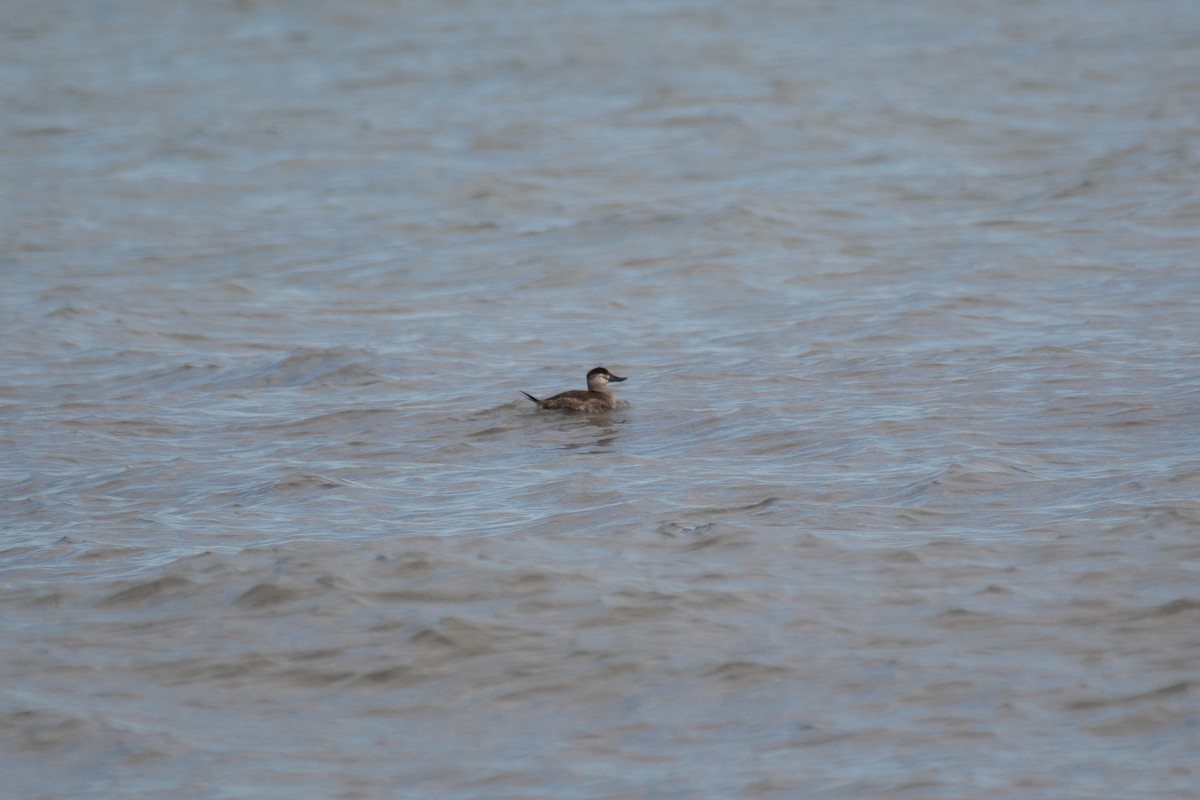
(534, 399)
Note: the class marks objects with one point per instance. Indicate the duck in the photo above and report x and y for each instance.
(596, 399)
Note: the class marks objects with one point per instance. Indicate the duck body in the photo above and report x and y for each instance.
(596, 398)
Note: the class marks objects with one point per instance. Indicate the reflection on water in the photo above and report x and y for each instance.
(592, 433)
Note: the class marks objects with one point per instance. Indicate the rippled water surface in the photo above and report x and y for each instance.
(901, 498)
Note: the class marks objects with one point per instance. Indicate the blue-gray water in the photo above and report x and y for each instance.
(901, 500)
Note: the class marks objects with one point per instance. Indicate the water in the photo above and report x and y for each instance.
(900, 499)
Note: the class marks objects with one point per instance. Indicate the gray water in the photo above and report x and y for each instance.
(901, 498)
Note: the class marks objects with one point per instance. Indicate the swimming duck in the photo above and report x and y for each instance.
(596, 398)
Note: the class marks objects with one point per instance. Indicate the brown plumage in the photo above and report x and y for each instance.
(596, 398)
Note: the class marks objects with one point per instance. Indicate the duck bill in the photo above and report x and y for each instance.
(614, 378)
